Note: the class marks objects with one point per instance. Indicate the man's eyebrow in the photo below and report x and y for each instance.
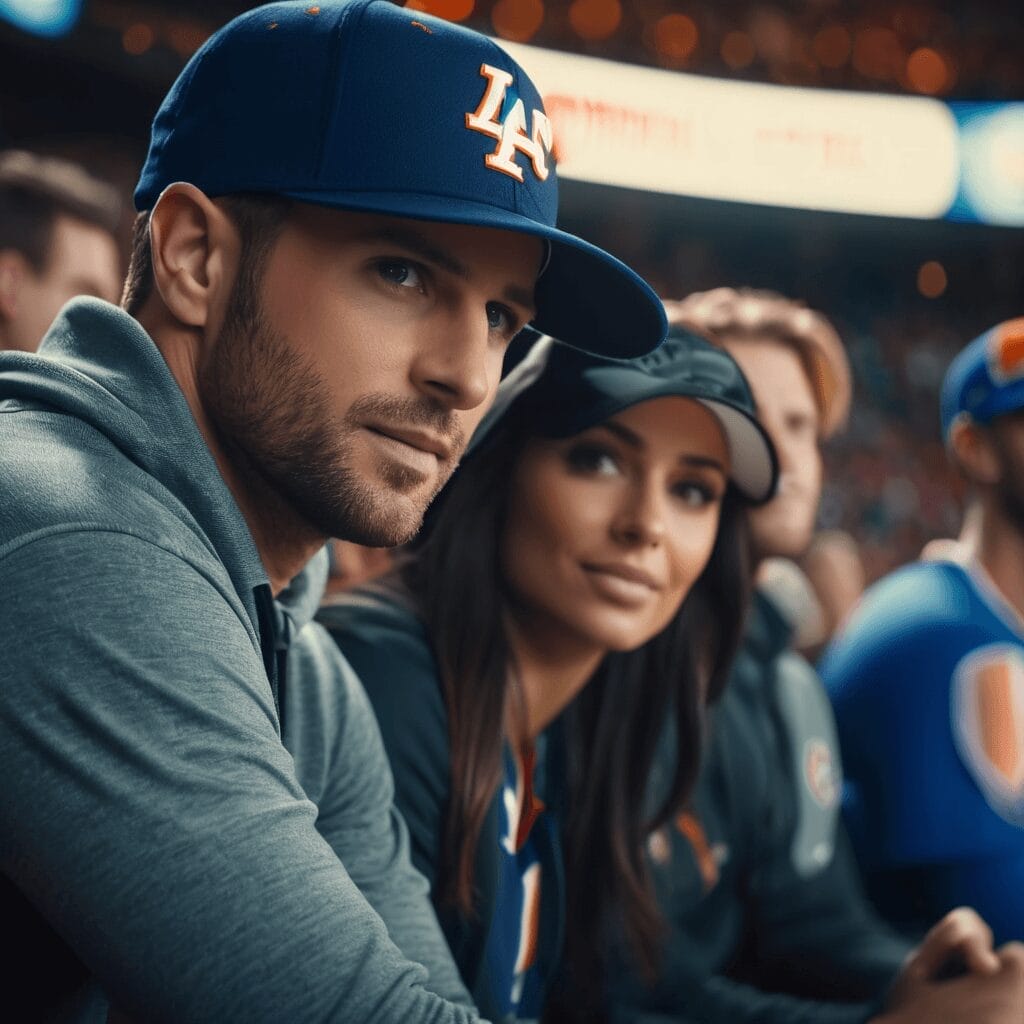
(412, 241)
(420, 246)
(634, 440)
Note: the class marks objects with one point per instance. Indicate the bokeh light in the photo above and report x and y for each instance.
(927, 72)
(832, 46)
(931, 279)
(595, 19)
(137, 39)
(738, 50)
(450, 10)
(675, 39)
(517, 20)
(878, 53)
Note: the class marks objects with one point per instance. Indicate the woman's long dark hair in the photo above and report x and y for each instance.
(612, 729)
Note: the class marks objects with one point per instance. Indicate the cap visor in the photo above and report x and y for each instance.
(754, 466)
(585, 296)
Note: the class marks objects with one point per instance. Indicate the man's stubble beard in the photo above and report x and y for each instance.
(270, 408)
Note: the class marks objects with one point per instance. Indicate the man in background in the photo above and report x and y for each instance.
(766, 918)
(57, 240)
(927, 678)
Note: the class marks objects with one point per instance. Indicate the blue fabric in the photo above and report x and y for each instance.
(928, 832)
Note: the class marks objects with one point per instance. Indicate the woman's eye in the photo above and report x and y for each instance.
(592, 459)
(695, 495)
(401, 274)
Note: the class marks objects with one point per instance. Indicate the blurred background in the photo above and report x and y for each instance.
(865, 157)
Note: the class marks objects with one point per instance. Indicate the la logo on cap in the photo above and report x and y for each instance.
(511, 132)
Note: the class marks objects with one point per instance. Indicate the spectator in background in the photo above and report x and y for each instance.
(57, 240)
(835, 571)
(767, 920)
(927, 678)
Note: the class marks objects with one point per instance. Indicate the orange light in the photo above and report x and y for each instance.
(675, 39)
(595, 19)
(832, 46)
(931, 279)
(738, 50)
(450, 10)
(517, 20)
(186, 37)
(877, 53)
(137, 39)
(927, 72)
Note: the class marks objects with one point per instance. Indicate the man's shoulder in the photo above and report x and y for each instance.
(61, 475)
(920, 611)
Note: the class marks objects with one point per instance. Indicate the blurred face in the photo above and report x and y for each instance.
(786, 407)
(353, 380)
(608, 530)
(1007, 436)
(83, 260)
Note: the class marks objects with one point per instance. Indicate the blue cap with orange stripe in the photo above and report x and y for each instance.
(987, 378)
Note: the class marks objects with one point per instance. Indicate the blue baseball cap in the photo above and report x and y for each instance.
(362, 105)
(558, 391)
(986, 379)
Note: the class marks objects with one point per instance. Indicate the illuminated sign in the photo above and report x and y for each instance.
(814, 149)
(42, 17)
(992, 163)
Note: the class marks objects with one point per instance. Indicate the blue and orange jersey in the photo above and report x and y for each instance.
(511, 947)
(927, 682)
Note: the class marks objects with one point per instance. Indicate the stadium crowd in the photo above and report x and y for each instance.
(666, 659)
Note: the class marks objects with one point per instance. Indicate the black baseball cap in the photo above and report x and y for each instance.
(558, 390)
(367, 106)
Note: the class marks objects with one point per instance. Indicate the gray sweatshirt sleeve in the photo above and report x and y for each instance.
(150, 811)
(333, 735)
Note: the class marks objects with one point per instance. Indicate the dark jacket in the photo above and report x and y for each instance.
(387, 645)
(767, 921)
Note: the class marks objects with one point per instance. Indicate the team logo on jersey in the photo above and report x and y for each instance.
(820, 773)
(509, 127)
(988, 723)
(1006, 351)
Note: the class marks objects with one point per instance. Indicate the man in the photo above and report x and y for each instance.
(766, 920)
(57, 227)
(299, 359)
(927, 679)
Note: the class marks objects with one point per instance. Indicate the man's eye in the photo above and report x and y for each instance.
(400, 273)
(501, 318)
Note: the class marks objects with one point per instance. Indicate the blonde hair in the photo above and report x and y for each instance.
(738, 313)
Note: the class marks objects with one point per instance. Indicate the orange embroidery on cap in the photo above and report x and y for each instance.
(426, 28)
(272, 24)
(313, 10)
(1007, 350)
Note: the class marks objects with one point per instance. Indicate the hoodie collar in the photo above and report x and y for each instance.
(99, 365)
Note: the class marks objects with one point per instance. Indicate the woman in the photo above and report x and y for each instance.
(579, 587)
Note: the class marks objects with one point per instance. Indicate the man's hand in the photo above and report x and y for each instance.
(955, 976)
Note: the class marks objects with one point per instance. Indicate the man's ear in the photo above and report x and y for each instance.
(12, 274)
(974, 452)
(195, 251)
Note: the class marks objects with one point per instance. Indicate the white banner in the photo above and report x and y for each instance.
(816, 149)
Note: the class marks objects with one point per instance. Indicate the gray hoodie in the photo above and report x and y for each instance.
(161, 845)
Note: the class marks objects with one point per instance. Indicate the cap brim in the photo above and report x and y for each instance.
(585, 296)
(754, 466)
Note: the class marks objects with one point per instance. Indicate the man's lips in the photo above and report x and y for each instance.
(414, 437)
(624, 571)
